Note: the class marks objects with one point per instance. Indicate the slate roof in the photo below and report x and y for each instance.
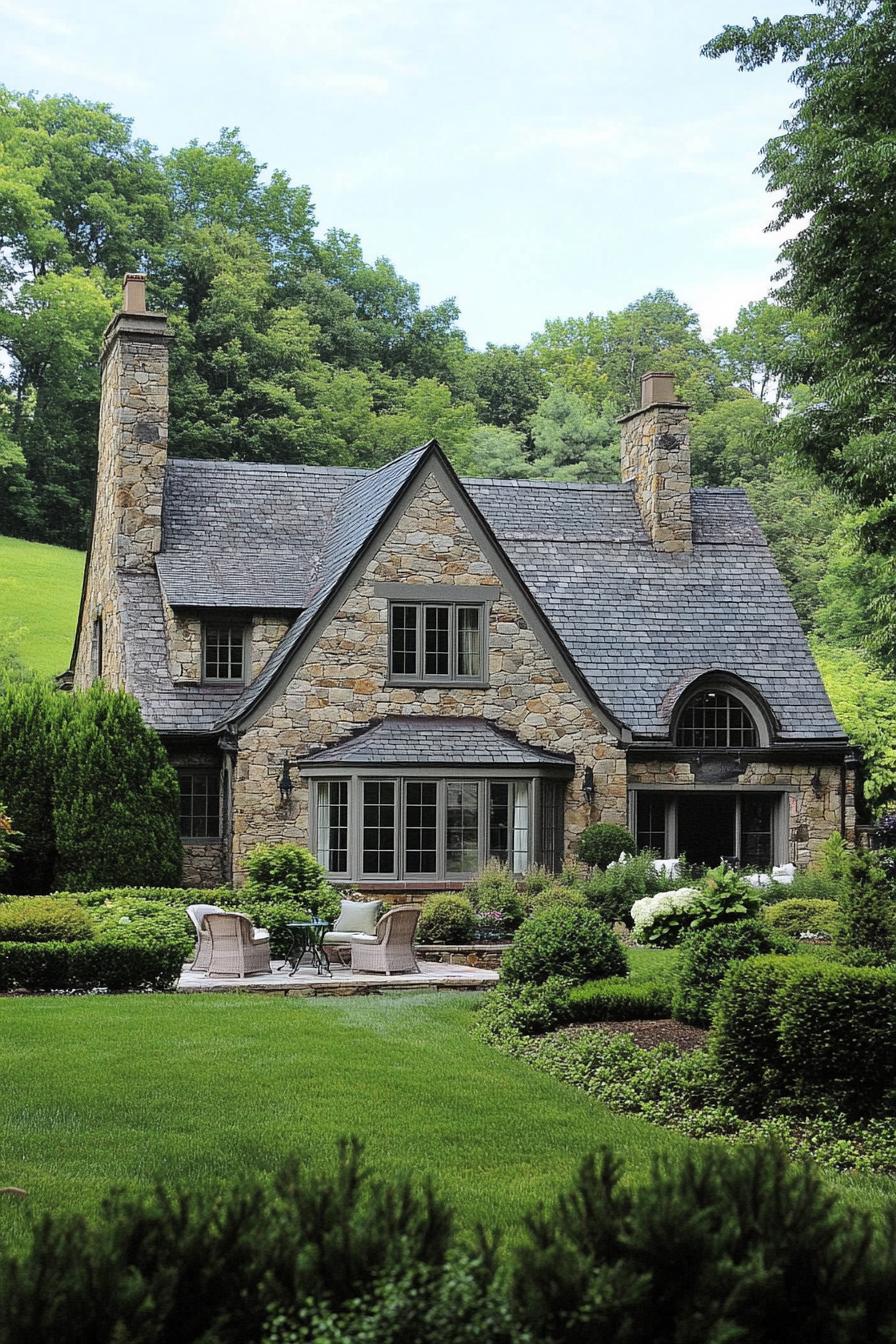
(636, 622)
(419, 739)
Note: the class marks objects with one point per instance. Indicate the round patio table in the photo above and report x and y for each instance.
(307, 939)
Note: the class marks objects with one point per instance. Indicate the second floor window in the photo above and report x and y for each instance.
(223, 656)
(437, 642)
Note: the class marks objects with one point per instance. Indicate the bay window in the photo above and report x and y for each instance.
(418, 827)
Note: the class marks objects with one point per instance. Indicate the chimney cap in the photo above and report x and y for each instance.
(657, 387)
(134, 296)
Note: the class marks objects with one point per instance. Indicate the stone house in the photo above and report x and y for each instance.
(413, 673)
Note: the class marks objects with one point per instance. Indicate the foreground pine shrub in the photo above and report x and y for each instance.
(725, 1245)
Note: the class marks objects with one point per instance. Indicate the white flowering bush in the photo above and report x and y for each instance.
(661, 919)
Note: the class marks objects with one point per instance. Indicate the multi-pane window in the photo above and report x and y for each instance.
(436, 641)
(403, 651)
(378, 827)
(410, 828)
(650, 829)
(200, 804)
(715, 719)
(462, 826)
(421, 814)
(223, 652)
(332, 825)
(756, 830)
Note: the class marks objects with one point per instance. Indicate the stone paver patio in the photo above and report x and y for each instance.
(306, 983)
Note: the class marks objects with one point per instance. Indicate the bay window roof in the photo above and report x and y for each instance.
(418, 739)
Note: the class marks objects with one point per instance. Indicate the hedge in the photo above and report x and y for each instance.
(111, 961)
(803, 915)
(813, 1033)
(619, 1000)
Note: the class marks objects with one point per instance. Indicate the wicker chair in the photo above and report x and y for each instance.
(390, 950)
(197, 914)
(238, 948)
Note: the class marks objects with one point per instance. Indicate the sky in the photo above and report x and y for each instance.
(531, 158)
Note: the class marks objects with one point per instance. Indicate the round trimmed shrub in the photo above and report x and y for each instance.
(43, 919)
(705, 956)
(446, 918)
(798, 916)
(575, 944)
(599, 845)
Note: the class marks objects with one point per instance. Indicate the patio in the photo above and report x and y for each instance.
(306, 983)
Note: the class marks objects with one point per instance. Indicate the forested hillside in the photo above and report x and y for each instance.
(294, 346)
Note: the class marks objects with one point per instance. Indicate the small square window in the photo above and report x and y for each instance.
(223, 653)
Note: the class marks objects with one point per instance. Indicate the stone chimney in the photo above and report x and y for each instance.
(133, 437)
(656, 456)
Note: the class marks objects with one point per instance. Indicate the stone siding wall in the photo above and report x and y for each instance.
(266, 633)
(656, 456)
(811, 819)
(204, 864)
(343, 684)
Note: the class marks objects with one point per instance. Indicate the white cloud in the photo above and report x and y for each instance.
(30, 16)
(345, 82)
(102, 79)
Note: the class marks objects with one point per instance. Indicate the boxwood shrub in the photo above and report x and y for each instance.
(575, 944)
(803, 915)
(705, 956)
(43, 919)
(446, 918)
(807, 1032)
(603, 842)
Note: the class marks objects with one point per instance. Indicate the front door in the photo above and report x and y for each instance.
(707, 827)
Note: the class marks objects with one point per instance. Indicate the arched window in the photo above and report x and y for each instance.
(715, 719)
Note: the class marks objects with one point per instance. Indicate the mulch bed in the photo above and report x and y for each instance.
(648, 1032)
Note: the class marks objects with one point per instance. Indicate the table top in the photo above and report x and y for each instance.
(306, 923)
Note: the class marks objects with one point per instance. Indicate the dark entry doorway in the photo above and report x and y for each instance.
(706, 827)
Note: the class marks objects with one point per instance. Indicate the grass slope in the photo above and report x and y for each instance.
(40, 588)
(195, 1089)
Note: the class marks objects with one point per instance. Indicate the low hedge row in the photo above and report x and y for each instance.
(619, 1000)
(795, 1030)
(111, 961)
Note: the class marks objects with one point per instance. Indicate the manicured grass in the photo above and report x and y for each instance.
(651, 963)
(40, 588)
(197, 1089)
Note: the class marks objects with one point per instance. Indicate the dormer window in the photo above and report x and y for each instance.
(437, 642)
(714, 719)
(224, 651)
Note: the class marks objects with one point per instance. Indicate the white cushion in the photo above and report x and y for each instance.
(358, 917)
(344, 938)
(260, 935)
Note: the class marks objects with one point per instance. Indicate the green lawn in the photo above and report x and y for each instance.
(40, 588)
(102, 1091)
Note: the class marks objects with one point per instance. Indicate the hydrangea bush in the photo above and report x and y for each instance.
(661, 919)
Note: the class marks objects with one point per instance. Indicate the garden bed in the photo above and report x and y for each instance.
(647, 1032)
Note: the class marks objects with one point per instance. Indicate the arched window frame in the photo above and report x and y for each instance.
(739, 691)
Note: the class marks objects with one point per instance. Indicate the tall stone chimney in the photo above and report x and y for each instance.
(133, 437)
(656, 456)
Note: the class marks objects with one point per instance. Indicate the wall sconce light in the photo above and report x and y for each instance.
(816, 785)
(588, 785)
(284, 783)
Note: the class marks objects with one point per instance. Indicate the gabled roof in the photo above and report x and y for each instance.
(419, 739)
(631, 623)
